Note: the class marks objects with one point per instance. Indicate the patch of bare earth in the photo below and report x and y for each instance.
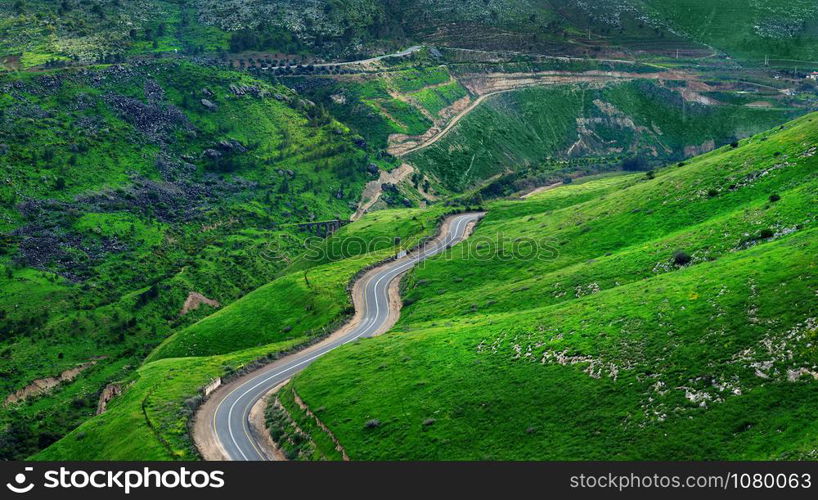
(44, 385)
(374, 189)
(194, 300)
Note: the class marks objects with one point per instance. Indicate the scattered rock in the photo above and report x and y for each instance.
(109, 393)
(195, 300)
(209, 105)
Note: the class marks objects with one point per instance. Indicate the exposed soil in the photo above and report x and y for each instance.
(374, 189)
(258, 426)
(44, 385)
(541, 189)
(195, 300)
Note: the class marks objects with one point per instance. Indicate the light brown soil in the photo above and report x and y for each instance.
(258, 427)
(194, 300)
(44, 385)
(110, 392)
(373, 189)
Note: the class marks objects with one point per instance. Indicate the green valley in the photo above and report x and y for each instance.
(432, 230)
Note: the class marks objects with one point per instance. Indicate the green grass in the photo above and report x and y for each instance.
(312, 297)
(406, 117)
(603, 346)
(745, 29)
(416, 79)
(149, 420)
(125, 220)
(435, 99)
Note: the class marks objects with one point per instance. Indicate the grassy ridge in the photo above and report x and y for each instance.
(665, 318)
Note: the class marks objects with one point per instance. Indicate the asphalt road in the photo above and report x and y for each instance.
(231, 417)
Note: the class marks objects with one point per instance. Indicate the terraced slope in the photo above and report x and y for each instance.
(666, 316)
(635, 124)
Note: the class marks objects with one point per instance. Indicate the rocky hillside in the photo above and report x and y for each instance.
(131, 188)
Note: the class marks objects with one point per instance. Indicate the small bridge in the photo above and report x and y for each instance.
(322, 228)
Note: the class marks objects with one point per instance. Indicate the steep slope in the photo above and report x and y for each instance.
(666, 316)
(746, 29)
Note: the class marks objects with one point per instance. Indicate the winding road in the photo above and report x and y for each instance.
(223, 421)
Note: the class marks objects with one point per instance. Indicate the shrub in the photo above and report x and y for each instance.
(681, 258)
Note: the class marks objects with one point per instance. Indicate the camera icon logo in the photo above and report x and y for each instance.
(19, 485)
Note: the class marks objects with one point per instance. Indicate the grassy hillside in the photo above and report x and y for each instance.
(783, 31)
(129, 187)
(667, 316)
(149, 420)
(562, 128)
(312, 297)
(745, 29)
(38, 32)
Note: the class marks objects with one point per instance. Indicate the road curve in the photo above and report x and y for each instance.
(225, 418)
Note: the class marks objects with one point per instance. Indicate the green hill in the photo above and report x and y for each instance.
(665, 317)
(36, 32)
(127, 188)
(149, 420)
